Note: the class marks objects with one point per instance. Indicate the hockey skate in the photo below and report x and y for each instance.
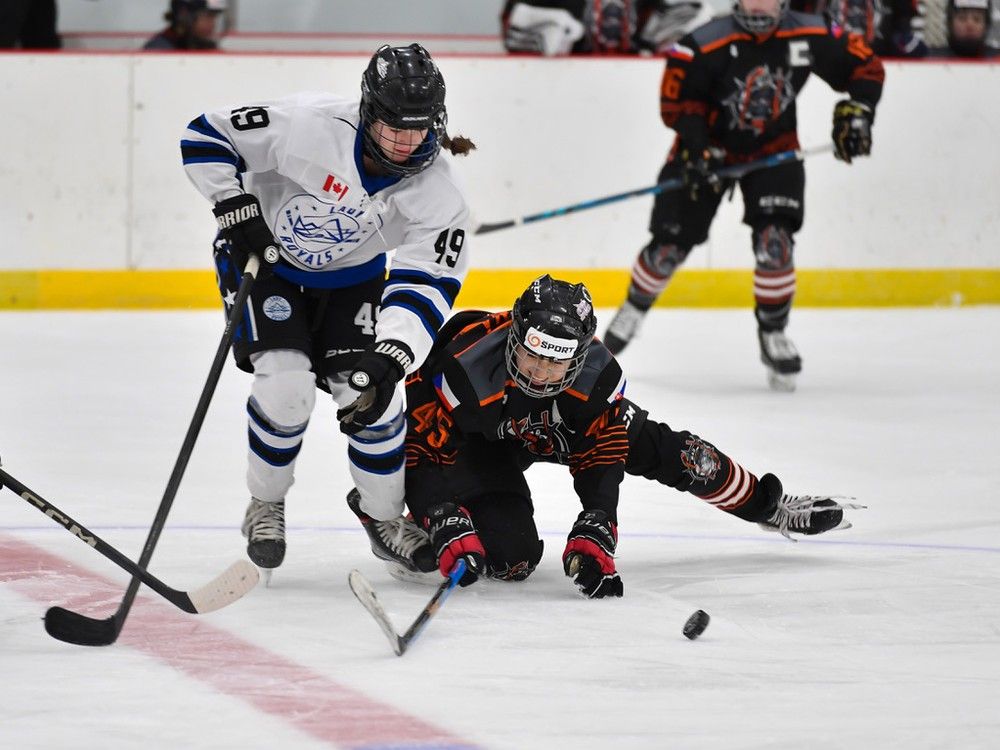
(405, 547)
(264, 528)
(808, 515)
(623, 327)
(781, 359)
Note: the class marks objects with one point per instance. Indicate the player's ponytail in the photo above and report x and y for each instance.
(459, 145)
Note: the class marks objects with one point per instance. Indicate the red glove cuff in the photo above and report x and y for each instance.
(584, 546)
(459, 547)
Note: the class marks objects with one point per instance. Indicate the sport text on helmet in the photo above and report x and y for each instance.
(403, 89)
(551, 330)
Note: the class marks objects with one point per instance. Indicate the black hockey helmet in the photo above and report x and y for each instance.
(403, 88)
(552, 320)
(759, 23)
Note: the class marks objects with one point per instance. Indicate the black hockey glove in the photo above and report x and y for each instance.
(589, 557)
(381, 366)
(454, 538)
(242, 224)
(852, 129)
(698, 170)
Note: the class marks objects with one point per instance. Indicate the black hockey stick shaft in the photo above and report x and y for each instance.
(440, 596)
(734, 171)
(73, 627)
(177, 598)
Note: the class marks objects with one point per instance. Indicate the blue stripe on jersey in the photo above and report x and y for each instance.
(200, 152)
(273, 456)
(261, 421)
(336, 279)
(203, 126)
(231, 160)
(448, 287)
(374, 435)
(423, 308)
(384, 463)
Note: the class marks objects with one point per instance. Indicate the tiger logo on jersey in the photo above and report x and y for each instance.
(540, 436)
(700, 459)
(759, 99)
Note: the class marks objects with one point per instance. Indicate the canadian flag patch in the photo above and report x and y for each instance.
(336, 186)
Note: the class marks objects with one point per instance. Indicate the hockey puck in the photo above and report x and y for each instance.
(696, 624)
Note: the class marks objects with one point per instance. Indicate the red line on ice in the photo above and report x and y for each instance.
(305, 699)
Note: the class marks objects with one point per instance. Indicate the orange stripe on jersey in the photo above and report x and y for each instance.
(498, 328)
(711, 46)
(490, 399)
(857, 46)
(805, 31)
(690, 107)
(577, 394)
(869, 71)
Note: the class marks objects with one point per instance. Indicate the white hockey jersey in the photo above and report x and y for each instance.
(302, 157)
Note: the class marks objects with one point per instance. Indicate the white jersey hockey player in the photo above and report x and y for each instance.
(335, 185)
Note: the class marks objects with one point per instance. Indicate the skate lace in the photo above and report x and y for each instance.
(626, 321)
(401, 536)
(794, 512)
(266, 521)
(779, 347)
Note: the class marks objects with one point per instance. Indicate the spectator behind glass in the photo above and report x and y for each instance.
(560, 27)
(192, 26)
(29, 24)
(892, 28)
(968, 23)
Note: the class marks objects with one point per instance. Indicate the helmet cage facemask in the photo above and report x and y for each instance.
(517, 348)
(397, 102)
(759, 23)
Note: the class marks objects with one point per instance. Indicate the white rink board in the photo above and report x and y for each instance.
(550, 133)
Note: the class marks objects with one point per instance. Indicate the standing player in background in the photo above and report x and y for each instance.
(335, 184)
(501, 391)
(193, 26)
(968, 28)
(729, 92)
(893, 28)
(560, 27)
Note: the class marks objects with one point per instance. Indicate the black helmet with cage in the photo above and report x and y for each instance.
(403, 88)
(757, 22)
(552, 320)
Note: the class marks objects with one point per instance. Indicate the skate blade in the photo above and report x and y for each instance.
(781, 382)
(265, 574)
(402, 573)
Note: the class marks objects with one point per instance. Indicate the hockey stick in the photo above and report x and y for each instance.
(72, 627)
(220, 592)
(734, 171)
(365, 593)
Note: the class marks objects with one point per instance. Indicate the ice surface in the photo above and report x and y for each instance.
(884, 635)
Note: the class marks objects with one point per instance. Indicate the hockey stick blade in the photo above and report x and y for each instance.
(221, 591)
(227, 587)
(365, 594)
(107, 633)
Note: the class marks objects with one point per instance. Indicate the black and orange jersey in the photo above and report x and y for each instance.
(726, 87)
(464, 390)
